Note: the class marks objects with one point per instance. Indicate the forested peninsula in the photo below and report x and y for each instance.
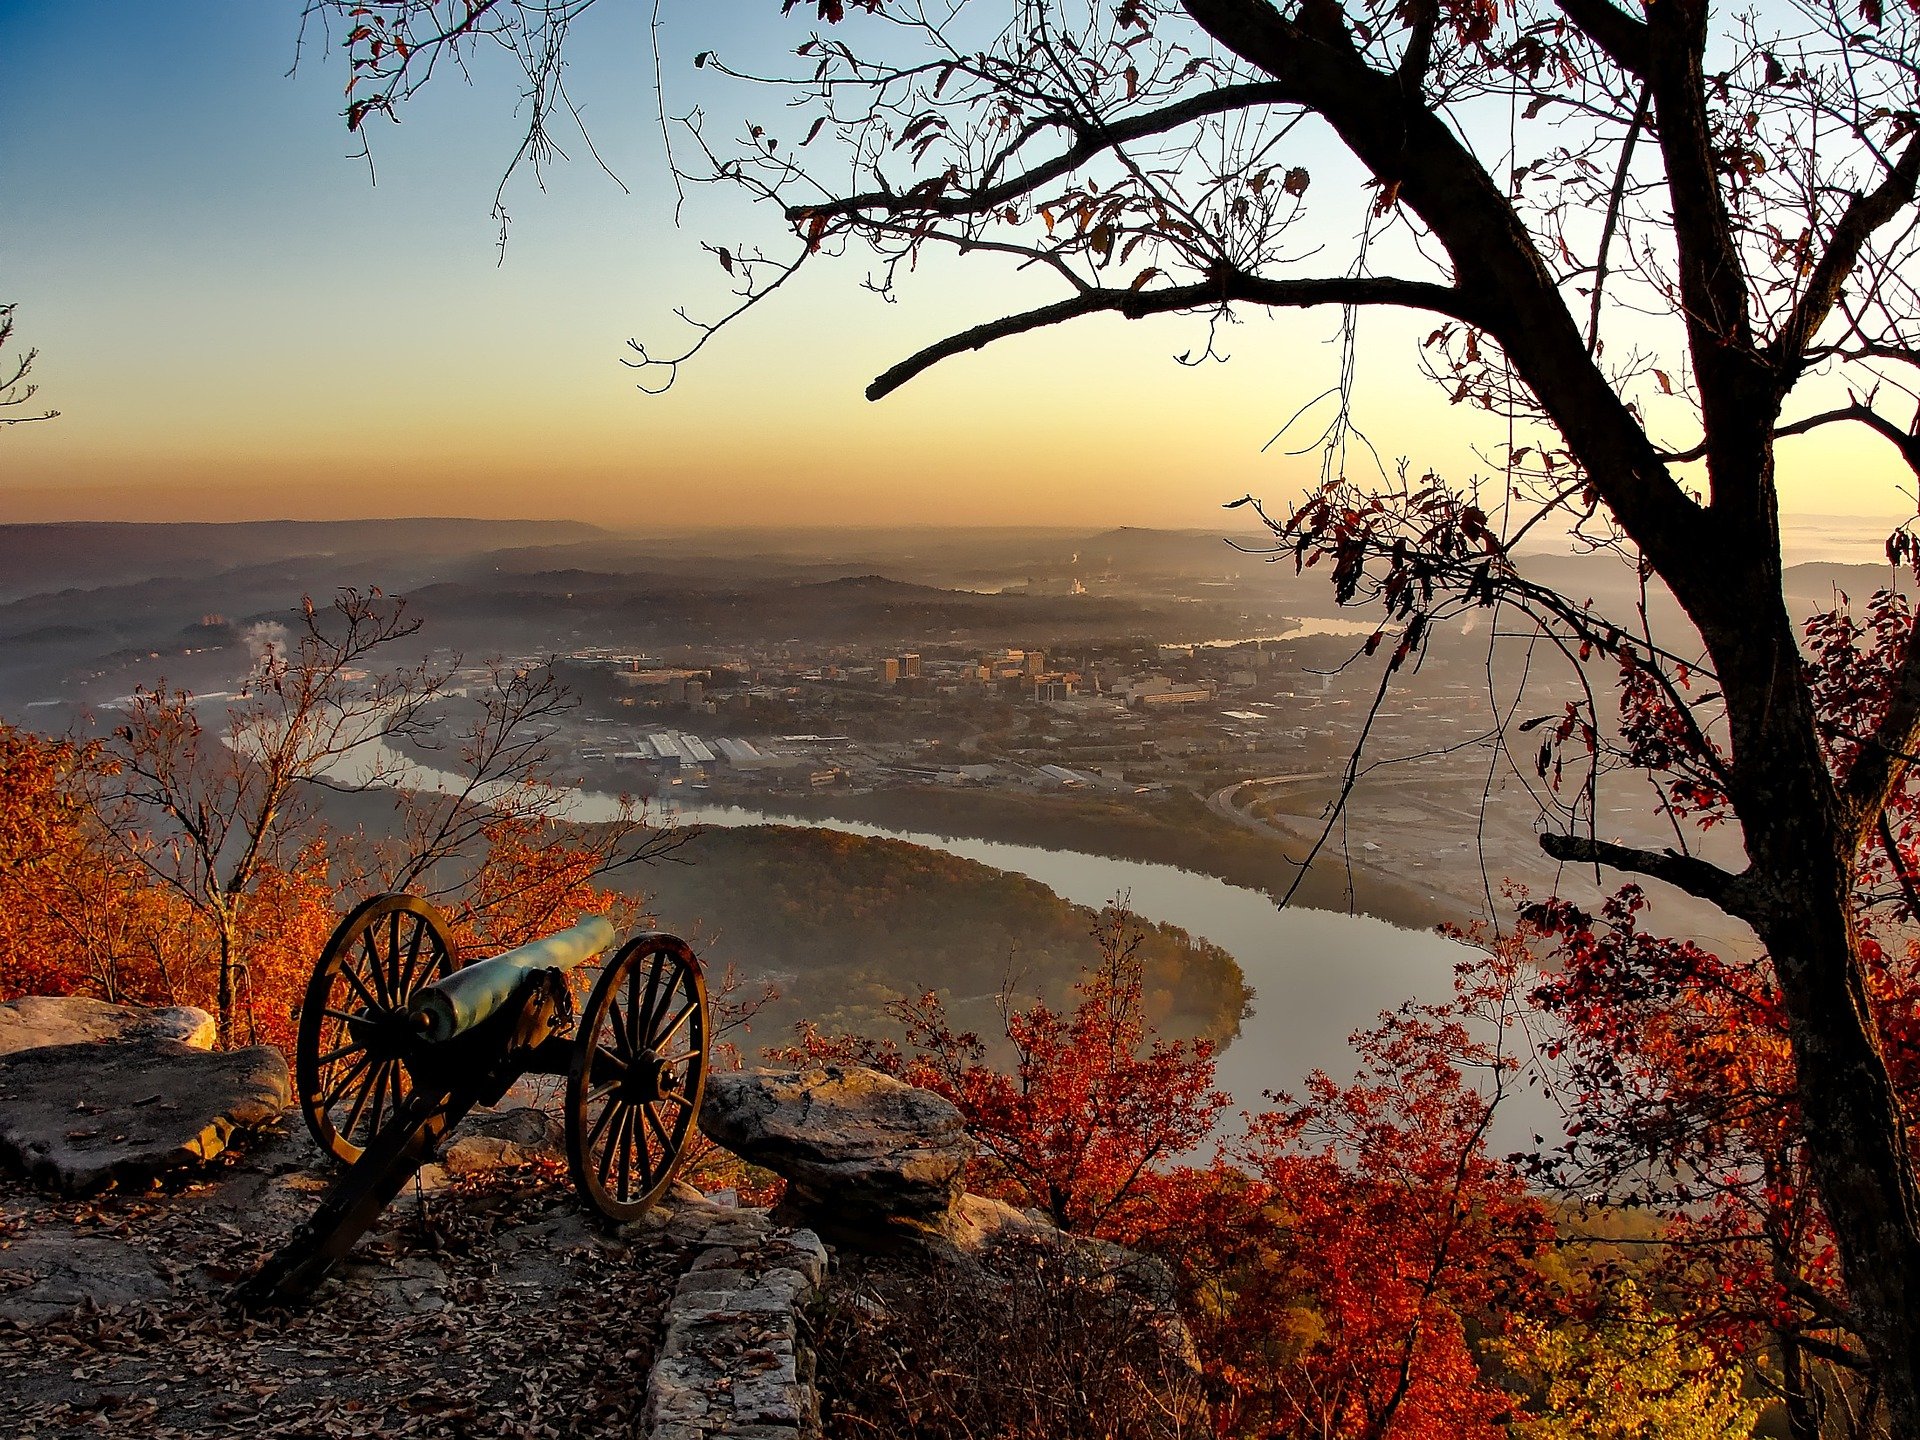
(843, 924)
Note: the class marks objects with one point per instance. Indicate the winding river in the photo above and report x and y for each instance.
(1317, 975)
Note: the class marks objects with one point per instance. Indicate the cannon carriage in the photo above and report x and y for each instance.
(398, 1041)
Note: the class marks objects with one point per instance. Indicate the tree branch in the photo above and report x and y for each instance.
(1907, 443)
(1230, 287)
(1865, 214)
(1620, 35)
(1685, 872)
(1419, 52)
(1092, 142)
(1735, 380)
(1497, 263)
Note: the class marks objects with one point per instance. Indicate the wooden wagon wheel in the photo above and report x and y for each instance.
(639, 1069)
(353, 1022)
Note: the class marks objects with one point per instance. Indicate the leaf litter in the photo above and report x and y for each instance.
(489, 1307)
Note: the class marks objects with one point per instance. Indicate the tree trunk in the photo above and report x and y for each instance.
(1801, 1402)
(1799, 901)
(223, 1000)
(224, 989)
(1856, 1135)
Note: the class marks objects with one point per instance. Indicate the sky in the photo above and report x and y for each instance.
(237, 320)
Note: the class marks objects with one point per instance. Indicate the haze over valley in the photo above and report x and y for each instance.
(1147, 697)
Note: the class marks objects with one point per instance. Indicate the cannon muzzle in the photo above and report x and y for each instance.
(467, 997)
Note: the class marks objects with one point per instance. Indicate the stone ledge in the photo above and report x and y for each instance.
(78, 1119)
(35, 1021)
(863, 1153)
(733, 1363)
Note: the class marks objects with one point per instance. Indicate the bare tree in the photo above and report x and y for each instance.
(15, 390)
(492, 785)
(206, 809)
(1657, 238)
(209, 810)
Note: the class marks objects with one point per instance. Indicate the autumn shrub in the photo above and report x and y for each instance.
(79, 912)
(1338, 1264)
(1092, 1106)
(1628, 1370)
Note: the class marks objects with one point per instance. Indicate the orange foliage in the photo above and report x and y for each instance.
(285, 922)
(1392, 1236)
(1336, 1267)
(533, 880)
(78, 915)
(81, 915)
(1095, 1102)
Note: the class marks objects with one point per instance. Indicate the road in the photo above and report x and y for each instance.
(1221, 802)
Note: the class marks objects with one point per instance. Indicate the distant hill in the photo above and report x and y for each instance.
(529, 612)
(82, 555)
(1810, 588)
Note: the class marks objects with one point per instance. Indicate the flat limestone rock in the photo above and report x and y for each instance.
(493, 1139)
(856, 1147)
(47, 1275)
(77, 1119)
(35, 1021)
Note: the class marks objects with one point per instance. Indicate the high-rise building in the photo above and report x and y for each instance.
(911, 664)
(889, 671)
(1036, 662)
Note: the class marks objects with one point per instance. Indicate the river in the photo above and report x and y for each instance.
(1317, 975)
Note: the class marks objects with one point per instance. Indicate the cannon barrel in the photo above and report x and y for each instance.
(467, 997)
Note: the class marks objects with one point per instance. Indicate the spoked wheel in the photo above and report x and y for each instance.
(353, 1022)
(639, 1068)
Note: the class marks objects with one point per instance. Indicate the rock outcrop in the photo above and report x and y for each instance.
(36, 1021)
(862, 1153)
(492, 1139)
(81, 1118)
(873, 1165)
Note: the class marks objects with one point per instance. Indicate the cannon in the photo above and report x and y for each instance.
(398, 1041)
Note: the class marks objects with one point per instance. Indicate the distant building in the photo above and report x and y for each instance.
(1157, 691)
(911, 665)
(1185, 695)
(889, 671)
